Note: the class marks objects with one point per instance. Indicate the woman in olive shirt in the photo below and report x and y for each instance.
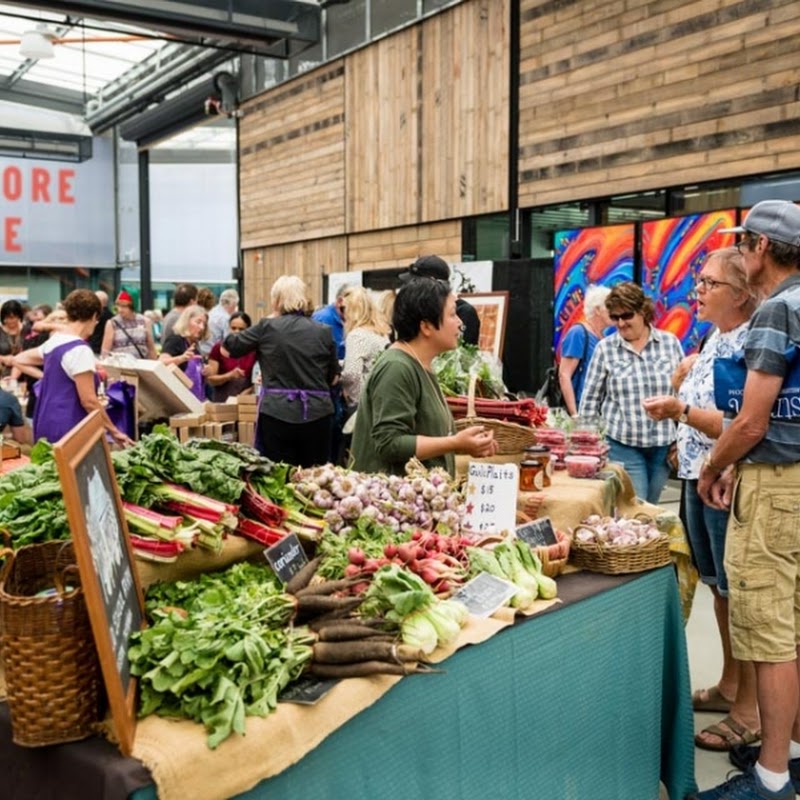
(402, 412)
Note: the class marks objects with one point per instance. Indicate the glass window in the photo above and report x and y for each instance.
(385, 15)
(310, 57)
(698, 199)
(485, 238)
(432, 5)
(632, 207)
(345, 27)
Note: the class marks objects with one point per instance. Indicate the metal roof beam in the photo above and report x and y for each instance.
(43, 95)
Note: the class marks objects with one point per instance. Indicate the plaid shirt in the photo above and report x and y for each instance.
(619, 379)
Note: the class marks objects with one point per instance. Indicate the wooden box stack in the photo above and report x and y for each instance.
(248, 414)
(185, 426)
(221, 419)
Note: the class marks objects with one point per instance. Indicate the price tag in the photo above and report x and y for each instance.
(539, 533)
(491, 497)
(286, 557)
(307, 691)
(484, 594)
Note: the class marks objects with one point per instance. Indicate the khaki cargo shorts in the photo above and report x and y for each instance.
(762, 550)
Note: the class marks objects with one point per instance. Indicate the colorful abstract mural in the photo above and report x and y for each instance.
(585, 256)
(673, 250)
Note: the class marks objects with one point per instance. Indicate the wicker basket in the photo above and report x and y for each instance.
(554, 557)
(51, 666)
(510, 437)
(618, 560)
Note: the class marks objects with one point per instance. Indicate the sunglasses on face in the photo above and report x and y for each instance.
(625, 315)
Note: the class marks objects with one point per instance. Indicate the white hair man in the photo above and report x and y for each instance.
(578, 346)
(220, 315)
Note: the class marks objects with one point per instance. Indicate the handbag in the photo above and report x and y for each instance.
(730, 374)
(550, 391)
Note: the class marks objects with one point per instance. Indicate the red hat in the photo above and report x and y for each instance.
(124, 297)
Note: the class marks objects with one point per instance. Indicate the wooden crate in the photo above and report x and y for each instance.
(247, 433)
(222, 412)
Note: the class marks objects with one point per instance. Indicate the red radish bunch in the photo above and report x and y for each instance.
(439, 560)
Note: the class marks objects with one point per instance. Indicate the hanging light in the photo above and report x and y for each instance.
(38, 43)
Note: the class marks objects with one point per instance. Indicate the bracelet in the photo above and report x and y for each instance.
(710, 465)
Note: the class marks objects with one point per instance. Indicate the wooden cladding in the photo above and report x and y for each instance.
(310, 260)
(409, 130)
(291, 157)
(628, 96)
(401, 246)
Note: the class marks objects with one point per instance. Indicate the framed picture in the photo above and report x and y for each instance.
(492, 308)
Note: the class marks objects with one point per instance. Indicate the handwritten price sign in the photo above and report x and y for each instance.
(491, 497)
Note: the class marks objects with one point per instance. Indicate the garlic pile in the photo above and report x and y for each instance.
(615, 532)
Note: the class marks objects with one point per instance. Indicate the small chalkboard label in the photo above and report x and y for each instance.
(539, 533)
(484, 594)
(307, 691)
(286, 557)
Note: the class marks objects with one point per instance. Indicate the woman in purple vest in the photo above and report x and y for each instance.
(68, 389)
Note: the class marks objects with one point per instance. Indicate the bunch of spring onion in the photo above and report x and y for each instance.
(402, 503)
(404, 598)
(514, 561)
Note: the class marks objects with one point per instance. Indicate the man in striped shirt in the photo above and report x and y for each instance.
(762, 552)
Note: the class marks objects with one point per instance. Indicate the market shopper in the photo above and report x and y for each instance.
(298, 362)
(436, 267)
(629, 365)
(182, 347)
(96, 338)
(185, 295)
(67, 390)
(220, 315)
(578, 344)
(11, 418)
(226, 375)
(12, 315)
(753, 469)
(725, 300)
(333, 315)
(127, 332)
(402, 412)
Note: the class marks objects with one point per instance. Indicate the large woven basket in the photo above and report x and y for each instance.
(510, 437)
(618, 560)
(51, 667)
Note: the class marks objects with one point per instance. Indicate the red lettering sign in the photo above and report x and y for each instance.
(40, 185)
(65, 178)
(11, 235)
(12, 183)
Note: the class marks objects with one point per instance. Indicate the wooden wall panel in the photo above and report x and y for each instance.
(291, 144)
(401, 246)
(642, 94)
(382, 109)
(465, 97)
(308, 259)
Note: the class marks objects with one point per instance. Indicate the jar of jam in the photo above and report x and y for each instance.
(533, 473)
(537, 451)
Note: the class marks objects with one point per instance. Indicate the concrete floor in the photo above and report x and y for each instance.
(705, 665)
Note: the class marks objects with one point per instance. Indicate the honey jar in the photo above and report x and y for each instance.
(537, 451)
(534, 473)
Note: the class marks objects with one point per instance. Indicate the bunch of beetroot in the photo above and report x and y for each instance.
(441, 561)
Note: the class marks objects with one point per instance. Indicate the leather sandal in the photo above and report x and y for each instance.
(730, 732)
(714, 701)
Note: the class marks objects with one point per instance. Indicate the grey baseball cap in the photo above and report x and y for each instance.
(778, 220)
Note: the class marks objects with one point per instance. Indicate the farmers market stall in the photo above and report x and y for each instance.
(525, 709)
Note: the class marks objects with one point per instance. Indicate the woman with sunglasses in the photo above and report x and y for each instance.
(724, 299)
(229, 376)
(634, 363)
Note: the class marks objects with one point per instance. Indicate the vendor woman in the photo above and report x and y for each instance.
(298, 362)
(402, 412)
(67, 391)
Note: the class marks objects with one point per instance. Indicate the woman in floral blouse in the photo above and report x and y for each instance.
(723, 299)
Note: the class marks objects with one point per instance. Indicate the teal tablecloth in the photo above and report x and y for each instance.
(587, 702)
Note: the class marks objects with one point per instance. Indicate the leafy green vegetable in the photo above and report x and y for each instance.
(219, 649)
(453, 369)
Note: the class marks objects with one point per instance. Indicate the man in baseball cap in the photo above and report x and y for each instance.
(438, 268)
(778, 220)
(759, 453)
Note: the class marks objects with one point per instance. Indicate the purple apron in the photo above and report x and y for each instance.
(193, 370)
(58, 407)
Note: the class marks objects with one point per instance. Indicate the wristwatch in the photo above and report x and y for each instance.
(683, 417)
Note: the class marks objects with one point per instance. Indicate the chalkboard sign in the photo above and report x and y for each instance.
(484, 594)
(286, 557)
(539, 533)
(105, 560)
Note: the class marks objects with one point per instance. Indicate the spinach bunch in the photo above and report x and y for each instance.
(32, 506)
(219, 649)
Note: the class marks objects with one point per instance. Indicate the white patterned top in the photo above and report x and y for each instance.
(698, 390)
(362, 347)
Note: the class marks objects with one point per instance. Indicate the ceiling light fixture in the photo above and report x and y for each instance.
(38, 43)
